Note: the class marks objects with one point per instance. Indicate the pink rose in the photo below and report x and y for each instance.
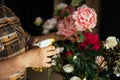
(66, 27)
(85, 18)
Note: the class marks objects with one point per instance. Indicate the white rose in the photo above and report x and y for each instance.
(111, 42)
(75, 78)
(68, 68)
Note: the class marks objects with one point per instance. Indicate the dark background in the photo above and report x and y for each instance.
(110, 19)
(28, 10)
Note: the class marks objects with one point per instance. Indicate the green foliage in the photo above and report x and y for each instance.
(81, 38)
(58, 13)
(76, 3)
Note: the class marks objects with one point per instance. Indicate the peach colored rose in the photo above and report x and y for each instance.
(85, 18)
(100, 60)
(66, 27)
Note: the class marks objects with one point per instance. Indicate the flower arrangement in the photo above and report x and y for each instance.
(84, 56)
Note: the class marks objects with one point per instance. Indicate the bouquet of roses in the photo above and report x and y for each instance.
(84, 56)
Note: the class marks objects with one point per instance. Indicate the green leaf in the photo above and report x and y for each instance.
(81, 38)
(103, 78)
(105, 75)
(75, 3)
(82, 64)
(70, 57)
(49, 73)
(92, 53)
(92, 64)
(82, 67)
(70, 46)
(89, 69)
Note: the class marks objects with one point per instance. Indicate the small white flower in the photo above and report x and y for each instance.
(53, 21)
(47, 26)
(75, 78)
(74, 57)
(50, 24)
(118, 75)
(54, 56)
(84, 78)
(59, 49)
(61, 6)
(68, 68)
(117, 68)
(45, 31)
(111, 42)
(38, 21)
(53, 62)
